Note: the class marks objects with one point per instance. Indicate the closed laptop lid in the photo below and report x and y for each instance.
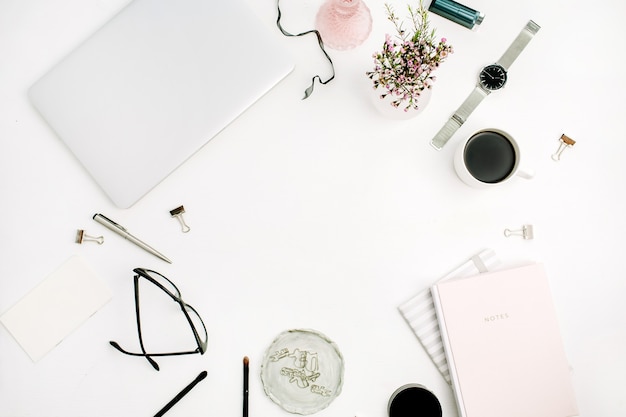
(154, 84)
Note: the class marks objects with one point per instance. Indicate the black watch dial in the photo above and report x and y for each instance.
(493, 77)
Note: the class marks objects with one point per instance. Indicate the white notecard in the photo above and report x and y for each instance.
(56, 307)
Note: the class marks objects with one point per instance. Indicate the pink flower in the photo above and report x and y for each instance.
(403, 68)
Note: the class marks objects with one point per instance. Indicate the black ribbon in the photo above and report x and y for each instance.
(309, 90)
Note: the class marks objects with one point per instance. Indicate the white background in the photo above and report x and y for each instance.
(323, 214)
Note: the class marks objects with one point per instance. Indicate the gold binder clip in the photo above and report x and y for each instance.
(526, 232)
(565, 142)
(178, 213)
(81, 237)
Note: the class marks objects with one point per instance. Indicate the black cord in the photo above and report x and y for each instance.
(309, 90)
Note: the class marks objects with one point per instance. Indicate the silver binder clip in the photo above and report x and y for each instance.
(526, 232)
(564, 142)
(178, 213)
(81, 237)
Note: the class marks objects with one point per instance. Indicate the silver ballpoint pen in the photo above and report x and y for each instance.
(110, 224)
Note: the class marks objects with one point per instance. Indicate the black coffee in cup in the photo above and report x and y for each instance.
(489, 156)
(413, 400)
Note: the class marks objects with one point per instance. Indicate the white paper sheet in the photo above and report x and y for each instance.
(56, 307)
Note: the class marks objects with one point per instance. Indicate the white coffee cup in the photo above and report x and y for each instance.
(489, 157)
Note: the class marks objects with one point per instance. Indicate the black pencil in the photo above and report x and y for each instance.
(246, 371)
(181, 394)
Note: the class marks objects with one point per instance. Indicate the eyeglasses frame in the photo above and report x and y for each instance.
(201, 344)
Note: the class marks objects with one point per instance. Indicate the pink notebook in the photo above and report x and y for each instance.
(503, 345)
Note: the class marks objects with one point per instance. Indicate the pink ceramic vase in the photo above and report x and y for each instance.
(344, 24)
(399, 113)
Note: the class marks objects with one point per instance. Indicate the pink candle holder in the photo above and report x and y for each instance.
(344, 24)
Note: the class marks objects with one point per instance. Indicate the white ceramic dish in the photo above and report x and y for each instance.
(302, 371)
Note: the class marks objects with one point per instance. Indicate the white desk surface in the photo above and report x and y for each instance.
(322, 214)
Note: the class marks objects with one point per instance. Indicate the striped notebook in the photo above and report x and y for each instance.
(419, 310)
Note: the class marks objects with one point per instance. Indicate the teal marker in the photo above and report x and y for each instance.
(457, 12)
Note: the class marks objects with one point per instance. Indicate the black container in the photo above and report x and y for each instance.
(413, 400)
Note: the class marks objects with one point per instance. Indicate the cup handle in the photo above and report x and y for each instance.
(525, 173)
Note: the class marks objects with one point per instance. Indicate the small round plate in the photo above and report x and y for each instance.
(302, 371)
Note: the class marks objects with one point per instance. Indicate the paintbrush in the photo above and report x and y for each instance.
(181, 394)
(246, 371)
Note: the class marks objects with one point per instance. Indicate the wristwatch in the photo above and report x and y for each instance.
(492, 77)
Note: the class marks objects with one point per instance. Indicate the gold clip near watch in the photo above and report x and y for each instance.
(491, 78)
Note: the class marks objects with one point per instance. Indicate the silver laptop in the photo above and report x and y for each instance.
(154, 85)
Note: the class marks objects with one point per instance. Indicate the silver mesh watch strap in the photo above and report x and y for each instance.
(468, 106)
(458, 118)
(519, 44)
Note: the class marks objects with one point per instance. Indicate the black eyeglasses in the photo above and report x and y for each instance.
(192, 316)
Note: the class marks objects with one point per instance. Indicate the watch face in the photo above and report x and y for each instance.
(493, 77)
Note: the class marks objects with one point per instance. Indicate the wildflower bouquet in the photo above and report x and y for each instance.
(404, 66)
